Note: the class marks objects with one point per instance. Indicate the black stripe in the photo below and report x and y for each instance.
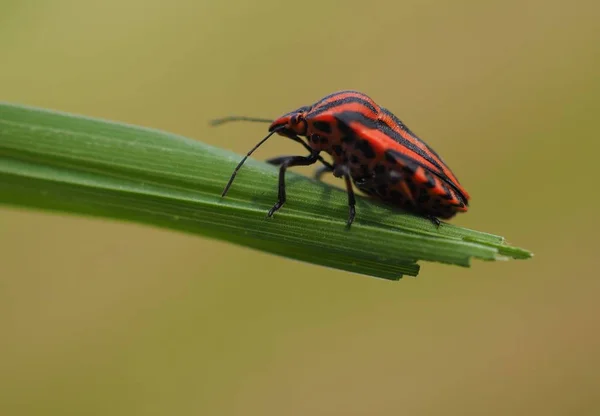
(406, 129)
(391, 154)
(297, 111)
(322, 126)
(339, 93)
(348, 116)
(443, 175)
(333, 104)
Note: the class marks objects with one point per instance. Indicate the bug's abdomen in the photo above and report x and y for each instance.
(401, 182)
(424, 201)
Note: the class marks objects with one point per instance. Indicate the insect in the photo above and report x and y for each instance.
(370, 148)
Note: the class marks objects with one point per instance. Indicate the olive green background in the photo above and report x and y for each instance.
(105, 318)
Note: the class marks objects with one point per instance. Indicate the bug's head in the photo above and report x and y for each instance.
(291, 124)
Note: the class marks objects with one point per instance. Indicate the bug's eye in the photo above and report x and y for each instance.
(296, 119)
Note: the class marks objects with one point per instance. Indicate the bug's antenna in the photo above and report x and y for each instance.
(219, 121)
(235, 171)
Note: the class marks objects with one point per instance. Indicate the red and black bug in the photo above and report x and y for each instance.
(371, 148)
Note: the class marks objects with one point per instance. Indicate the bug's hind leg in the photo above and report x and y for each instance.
(341, 171)
(288, 162)
(435, 220)
(351, 200)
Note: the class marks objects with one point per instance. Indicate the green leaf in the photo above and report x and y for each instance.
(67, 163)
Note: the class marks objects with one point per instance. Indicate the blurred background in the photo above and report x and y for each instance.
(105, 318)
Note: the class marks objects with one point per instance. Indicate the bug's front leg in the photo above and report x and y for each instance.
(280, 159)
(287, 162)
(327, 167)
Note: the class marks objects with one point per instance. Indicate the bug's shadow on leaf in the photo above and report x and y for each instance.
(363, 202)
(368, 210)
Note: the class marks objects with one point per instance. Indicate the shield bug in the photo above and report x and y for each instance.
(370, 148)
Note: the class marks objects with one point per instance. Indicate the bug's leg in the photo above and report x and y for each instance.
(351, 200)
(342, 171)
(287, 163)
(311, 150)
(322, 171)
(435, 220)
(277, 160)
(327, 167)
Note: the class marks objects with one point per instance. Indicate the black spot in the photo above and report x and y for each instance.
(322, 126)
(344, 129)
(365, 147)
(337, 149)
(314, 138)
(348, 139)
(390, 158)
(324, 140)
(354, 160)
(424, 198)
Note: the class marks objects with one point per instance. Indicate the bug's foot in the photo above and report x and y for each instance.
(351, 215)
(434, 220)
(275, 208)
(277, 160)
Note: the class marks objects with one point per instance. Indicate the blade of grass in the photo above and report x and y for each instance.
(74, 164)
